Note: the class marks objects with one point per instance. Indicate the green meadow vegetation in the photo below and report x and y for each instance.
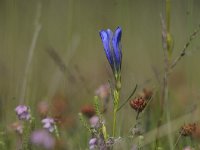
(68, 83)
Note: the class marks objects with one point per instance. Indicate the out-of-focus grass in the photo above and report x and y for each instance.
(71, 29)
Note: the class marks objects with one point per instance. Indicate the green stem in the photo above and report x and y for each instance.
(176, 143)
(28, 128)
(56, 131)
(166, 88)
(168, 9)
(114, 122)
(165, 91)
(116, 95)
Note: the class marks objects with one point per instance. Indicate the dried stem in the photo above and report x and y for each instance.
(177, 140)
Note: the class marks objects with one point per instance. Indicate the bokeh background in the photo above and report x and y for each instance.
(51, 49)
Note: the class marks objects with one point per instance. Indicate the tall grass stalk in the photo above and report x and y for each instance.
(38, 27)
(167, 47)
(167, 67)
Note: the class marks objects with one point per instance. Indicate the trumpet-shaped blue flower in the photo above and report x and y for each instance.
(112, 48)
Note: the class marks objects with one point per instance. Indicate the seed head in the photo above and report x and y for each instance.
(188, 130)
(138, 104)
(88, 110)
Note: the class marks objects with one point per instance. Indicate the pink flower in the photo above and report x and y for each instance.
(43, 138)
(103, 91)
(48, 123)
(22, 112)
(94, 121)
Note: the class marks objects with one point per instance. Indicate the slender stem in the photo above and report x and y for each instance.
(168, 9)
(167, 46)
(38, 27)
(28, 127)
(114, 122)
(116, 96)
(56, 131)
(167, 68)
(183, 52)
(177, 141)
(137, 116)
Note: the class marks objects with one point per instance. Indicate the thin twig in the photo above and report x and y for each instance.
(177, 140)
(183, 52)
(180, 56)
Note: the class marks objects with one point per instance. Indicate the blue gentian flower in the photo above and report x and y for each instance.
(112, 48)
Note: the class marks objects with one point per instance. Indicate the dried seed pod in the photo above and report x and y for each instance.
(188, 130)
(138, 104)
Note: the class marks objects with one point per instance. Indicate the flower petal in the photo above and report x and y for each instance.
(106, 38)
(110, 34)
(116, 46)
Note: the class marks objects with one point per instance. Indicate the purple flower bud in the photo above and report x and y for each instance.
(92, 143)
(48, 123)
(92, 147)
(43, 138)
(94, 121)
(22, 112)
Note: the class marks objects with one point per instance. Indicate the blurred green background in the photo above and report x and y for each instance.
(31, 30)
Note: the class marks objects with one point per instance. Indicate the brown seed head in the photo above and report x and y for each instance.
(188, 130)
(88, 110)
(138, 104)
